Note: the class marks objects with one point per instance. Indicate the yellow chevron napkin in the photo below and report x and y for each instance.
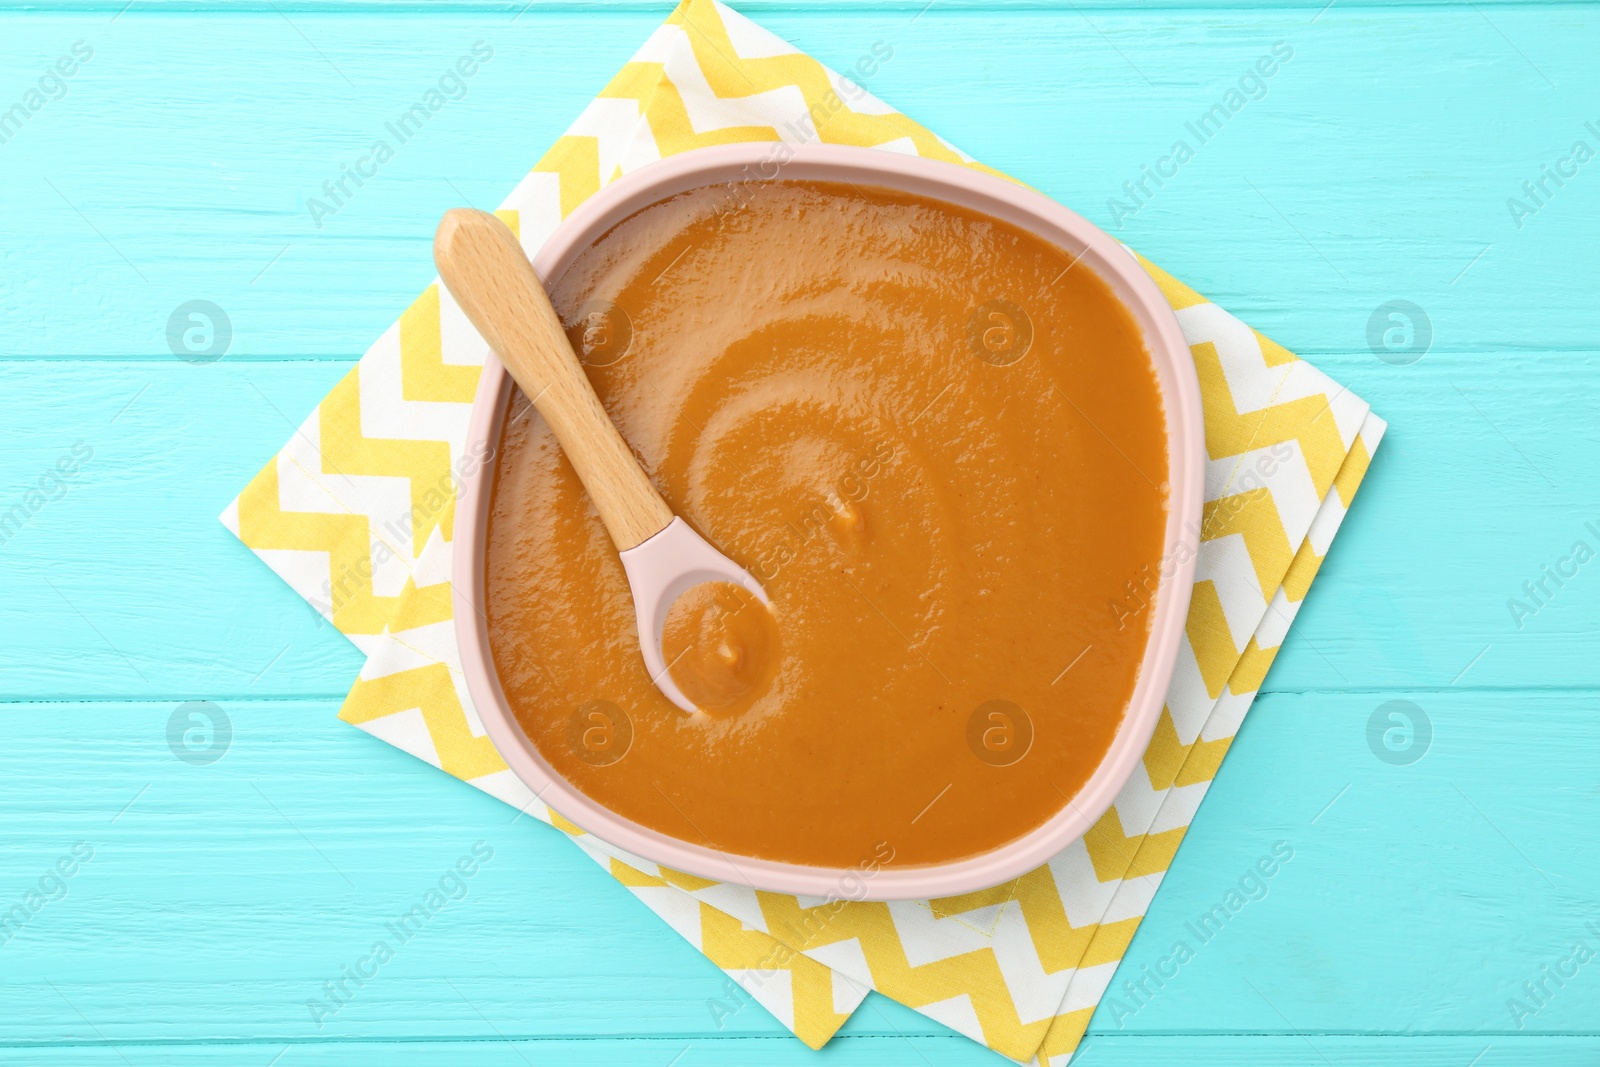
(356, 513)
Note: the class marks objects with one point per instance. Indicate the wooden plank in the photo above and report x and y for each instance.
(1315, 204)
(124, 582)
(210, 201)
(912, 1050)
(754, 8)
(1417, 900)
(1470, 497)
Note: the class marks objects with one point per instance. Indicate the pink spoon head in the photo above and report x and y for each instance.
(660, 570)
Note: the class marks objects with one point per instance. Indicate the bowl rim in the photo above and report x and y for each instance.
(746, 165)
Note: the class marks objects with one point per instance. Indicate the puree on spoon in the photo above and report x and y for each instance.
(938, 444)
(721, 645)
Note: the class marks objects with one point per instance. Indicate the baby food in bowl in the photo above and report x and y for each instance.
(944, 446)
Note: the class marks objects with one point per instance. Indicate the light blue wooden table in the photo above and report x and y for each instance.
(174, 164)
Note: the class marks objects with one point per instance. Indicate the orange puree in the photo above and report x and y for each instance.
(720, 645)
(938, 444)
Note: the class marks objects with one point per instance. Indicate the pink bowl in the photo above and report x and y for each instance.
(739, 166)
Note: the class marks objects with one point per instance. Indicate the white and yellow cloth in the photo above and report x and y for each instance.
(356, 513)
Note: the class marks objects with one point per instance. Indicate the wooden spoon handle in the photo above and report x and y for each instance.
(486, 271)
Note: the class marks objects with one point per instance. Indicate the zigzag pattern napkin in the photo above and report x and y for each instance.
(356, 513)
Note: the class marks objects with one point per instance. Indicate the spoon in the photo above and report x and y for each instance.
(483, 265)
